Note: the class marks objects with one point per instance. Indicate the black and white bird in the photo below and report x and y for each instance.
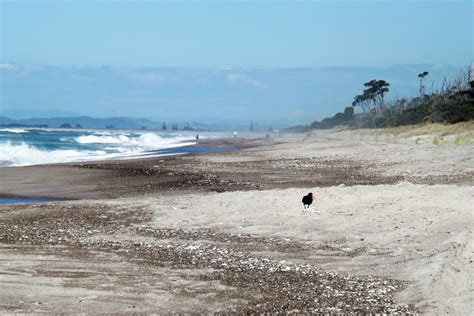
(307, 200)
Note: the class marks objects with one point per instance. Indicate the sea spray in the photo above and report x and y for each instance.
(33, 147)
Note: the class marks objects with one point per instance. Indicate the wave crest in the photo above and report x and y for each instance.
(145, 140)
(24, 155)
(14, 130)
(94, 139)
(90, 147)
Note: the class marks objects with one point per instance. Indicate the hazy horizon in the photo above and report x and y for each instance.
(288, 62)
(284, 95)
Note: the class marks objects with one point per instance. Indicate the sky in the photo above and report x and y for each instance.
(232, 34)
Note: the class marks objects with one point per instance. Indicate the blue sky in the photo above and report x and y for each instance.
(237, 34)
(52, 55)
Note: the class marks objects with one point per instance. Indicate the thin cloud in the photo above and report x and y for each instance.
(8, 66)
(242, 79)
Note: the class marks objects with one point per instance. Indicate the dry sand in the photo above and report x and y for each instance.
(391, 230)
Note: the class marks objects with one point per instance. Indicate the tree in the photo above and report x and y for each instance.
(383, 89)
(377, 89)
(422, 85)
(361, 100)
(164, 126)
(373, 95)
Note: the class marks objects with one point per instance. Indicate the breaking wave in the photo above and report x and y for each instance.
(93, 139)
(63, 147)
(141, 140)
(14, 130)
(24, 155)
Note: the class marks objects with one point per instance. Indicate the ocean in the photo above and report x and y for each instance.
(23, 147)
(14, 200)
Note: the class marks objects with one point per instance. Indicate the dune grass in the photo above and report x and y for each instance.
(426, 133)
(433, 128)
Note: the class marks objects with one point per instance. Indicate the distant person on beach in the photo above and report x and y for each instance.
(197, 136)
(308, 135)
(235, 134)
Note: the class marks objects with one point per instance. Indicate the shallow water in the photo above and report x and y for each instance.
(191, 150)
(11, 200)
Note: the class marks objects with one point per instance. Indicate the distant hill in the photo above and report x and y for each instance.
(83, 122)
(285, 95)
(130, 123)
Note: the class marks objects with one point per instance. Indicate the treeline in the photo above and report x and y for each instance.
(453, 102)
(186, 127)
(13, 125)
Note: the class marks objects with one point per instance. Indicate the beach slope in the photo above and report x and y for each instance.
(390, 230)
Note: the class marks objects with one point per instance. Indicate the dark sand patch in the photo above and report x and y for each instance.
(253, 283)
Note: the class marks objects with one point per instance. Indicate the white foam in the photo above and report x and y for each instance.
(121, 146)
(93, 139)
(23, 155)
(14, 130)
(145, 141)
(153, 141)
(101, 133)
(106, 145)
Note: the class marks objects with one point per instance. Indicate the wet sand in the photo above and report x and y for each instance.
(390, 230)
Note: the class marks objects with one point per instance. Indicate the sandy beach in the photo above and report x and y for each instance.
(390, 230)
